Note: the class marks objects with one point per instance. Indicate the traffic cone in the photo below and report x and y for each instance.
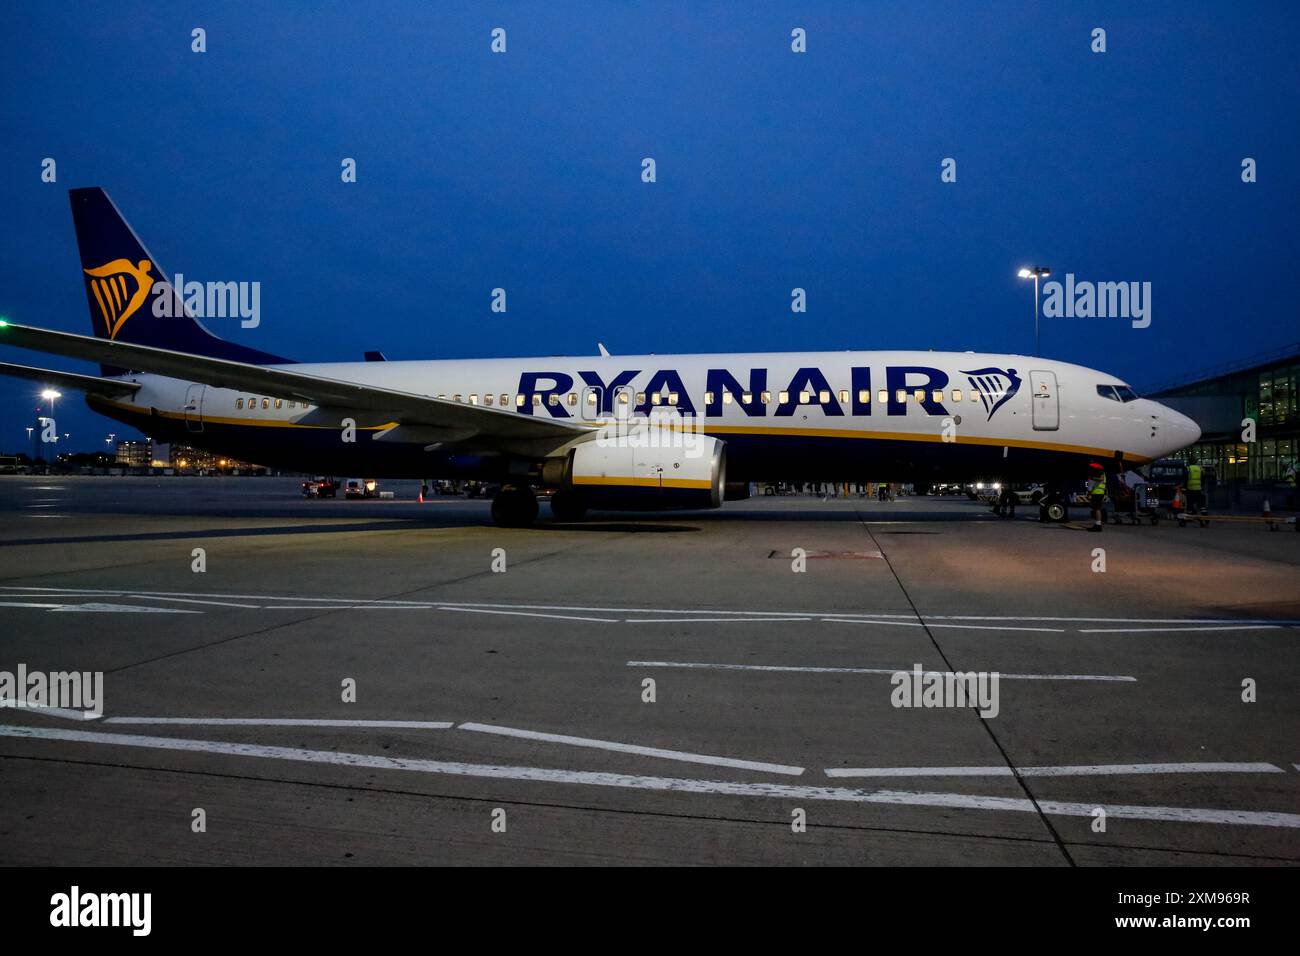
(1268, 515)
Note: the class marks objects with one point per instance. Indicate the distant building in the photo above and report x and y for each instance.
(134, 454)
(1263, 389)
(160, 455)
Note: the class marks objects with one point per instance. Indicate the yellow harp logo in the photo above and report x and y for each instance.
(118, 301)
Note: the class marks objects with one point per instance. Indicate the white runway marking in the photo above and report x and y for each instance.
(712, 620)
(868, 616)
(783, 668)
(928, 623)
(780, 791)
(63, 712)
(635, 749)
(282, 722)
(94, 607)
(181, 600)
(1098, 770)
(348, 607)
(555, 617)
(1178, 630)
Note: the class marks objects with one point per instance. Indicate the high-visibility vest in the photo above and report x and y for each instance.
(1099, 486)
(1194, 478)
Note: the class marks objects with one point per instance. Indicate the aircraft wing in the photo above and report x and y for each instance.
(443, 420)
(91, 384)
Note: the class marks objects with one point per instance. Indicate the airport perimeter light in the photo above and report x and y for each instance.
(1036, 273)
(50, 395)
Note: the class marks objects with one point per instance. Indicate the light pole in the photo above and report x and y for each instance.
(1036, 273)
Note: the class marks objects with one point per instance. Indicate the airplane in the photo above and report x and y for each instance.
(608, 432)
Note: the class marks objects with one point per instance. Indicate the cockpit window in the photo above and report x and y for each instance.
(1117, 393)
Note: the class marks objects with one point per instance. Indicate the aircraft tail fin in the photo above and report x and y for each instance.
(130, 296)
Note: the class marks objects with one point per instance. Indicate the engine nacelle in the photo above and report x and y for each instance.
(650, 470)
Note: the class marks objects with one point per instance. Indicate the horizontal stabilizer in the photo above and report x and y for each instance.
(91, 384)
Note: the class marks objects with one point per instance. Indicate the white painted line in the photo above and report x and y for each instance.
(63, 712)
(928, 623)
(645, 610)
(868, 670)
(347, 607)
(779, 791)
(554, 617)
(281, 722)
(1177, 630)
(48, 607)
(94, 607)
(1136, 768)
(634, 749)
(1098, 770)
(1003, 771)
(181, 600)
(711, 620)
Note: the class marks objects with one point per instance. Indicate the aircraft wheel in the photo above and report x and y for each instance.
(567, 506)
(1056, 511)
(514, 508)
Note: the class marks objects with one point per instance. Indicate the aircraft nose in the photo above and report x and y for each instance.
(1176, 429)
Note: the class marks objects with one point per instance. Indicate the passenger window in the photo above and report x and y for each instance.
(239, 403)
(900, 396)
(784, 397)
(823, 396)
(622, 398)
(864, 396)
(726, 398)
(456, 397)
(844, 396)
(919, 395)
(656, 398)
(672, 398)
(640, 398)
(591, 398)
(708, 398)
(473, 399)
(519, 400)
(882, 396)
(537, 401)
(747, 398)
(805, 398)
(266, 403)
(767, 398)
(505, 399)
(487, 399)
(937, 395)
(956, 394)
(552, 400)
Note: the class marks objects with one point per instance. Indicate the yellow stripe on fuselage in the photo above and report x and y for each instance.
(701, 483)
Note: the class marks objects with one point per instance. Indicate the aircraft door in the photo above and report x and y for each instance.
(1047, 408)
(591, 410)
(194, 408)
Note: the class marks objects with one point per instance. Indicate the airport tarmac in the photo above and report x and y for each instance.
(485, 697)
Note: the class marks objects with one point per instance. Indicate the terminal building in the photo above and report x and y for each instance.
(1223, 401)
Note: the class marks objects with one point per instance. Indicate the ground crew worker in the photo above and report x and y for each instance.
(1195, 497)
(1097, 494)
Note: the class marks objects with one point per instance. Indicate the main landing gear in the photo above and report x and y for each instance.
(514, 507)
